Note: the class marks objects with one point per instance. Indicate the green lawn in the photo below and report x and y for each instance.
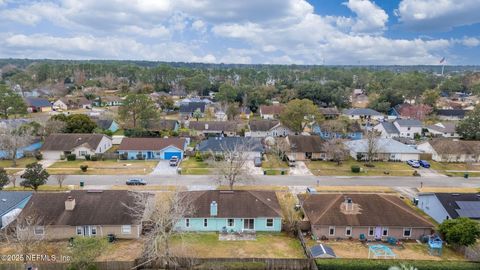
(119, 132)
(193, 167)
(267, 245)
(379, 169)
(42, 188)
(21, 163)
(458, 168)
(108, 167)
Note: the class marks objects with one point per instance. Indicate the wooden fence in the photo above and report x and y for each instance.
(113, 265)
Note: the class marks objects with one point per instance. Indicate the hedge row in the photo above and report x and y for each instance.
(370, 264)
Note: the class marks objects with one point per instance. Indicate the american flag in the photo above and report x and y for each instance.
(442, 60)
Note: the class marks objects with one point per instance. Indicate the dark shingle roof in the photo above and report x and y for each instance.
(192, 106)
(451, 205)
(213, 125)
(66, 142)
(300, 143)
(107, 207)
(456, 113)
(390, 127)
(409, 123)
(10, 199)
(218, 144)
(238, 203)
(262, 125)
(453, 147)
(164, 124)
(104, 123)
(329, 111)
(152, 144)
(361, 111)
(37, 102)
(368, 210)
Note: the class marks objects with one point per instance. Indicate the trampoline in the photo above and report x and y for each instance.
(380, 251)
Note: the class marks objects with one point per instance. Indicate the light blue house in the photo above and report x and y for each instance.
(233, 211)
(442, 206)
(21, 151)
(11, 204)
(353, 131)
(152, 148)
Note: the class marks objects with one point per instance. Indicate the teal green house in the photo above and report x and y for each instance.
(232, 211)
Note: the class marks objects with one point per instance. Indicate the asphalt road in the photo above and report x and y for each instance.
(287, 180)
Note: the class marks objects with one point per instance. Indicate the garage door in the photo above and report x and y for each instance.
(169, 155)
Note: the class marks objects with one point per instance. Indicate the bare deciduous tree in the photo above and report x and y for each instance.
(336, 150)
(291, 216)
(54, 126)
(372, 145)
(160, 214)
(60, 179)
(14, 138)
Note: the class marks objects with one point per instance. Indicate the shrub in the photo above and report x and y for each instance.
(123, 156)
(87, 157)
(355, 169)
(198, 157)
(368, 264)
(83, 168)
(93, 158)
(140, 156)
(38, 156)
(71, 157)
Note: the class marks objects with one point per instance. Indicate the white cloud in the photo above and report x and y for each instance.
(471, 42)
(199, 26)
(438, 14)
(370, 17)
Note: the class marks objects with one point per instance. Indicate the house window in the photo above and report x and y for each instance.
(230, 222)
(205, 222)
(39, 230)
(93, 230)
(371, 231)
(269, 222)
(331, 230)
(79, 231)
(407, 232)
(187, 222)
(126, 229)
(385, 231)
(82, 153)
(348, 231)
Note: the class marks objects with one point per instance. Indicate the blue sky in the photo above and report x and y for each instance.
(247, 31)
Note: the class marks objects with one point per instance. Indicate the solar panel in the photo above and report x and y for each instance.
(322, 251)
(470, 209)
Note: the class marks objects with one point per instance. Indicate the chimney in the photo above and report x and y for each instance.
(348, 204)
(206, 126)
(213, 209)
(70, 203)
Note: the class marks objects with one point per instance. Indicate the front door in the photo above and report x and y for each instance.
(248, 224)
(86, 230)
(378, 232)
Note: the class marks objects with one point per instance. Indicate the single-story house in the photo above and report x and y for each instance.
(163, 125)
(11, 204)
(445, 129)
(363, 114)
(410, 111)
(303, 147)
(213, 128)
(385, 150)
(20, 153)
(267, 128)
(368, 216)
(442, 206)
(271, 111)
(451, 114)
(330, 112)
(80, 144)
(233, 210)
(107, 124)
(444, 150)
(152, 148)
(88, 213)
(72, 103)
(217, 145)
(405, 128)
(38, 104)
(353, 131)
(108, 101)
(14, 123)
(187, 109)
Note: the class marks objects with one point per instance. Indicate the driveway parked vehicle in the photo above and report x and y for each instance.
(174, 161)
(135, 182)
(257, 162)
(424, 163)
(413, 163)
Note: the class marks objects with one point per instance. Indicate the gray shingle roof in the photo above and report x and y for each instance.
(104, 123)
(10, 199)
(262, 125)
(192, 106)
(218, 144)
(37, 102)
(409, 123)
(66, 142)
(384, 146)
(390, 127)
(361, 111)
(444, 127)
(213, 125)
(450, 202)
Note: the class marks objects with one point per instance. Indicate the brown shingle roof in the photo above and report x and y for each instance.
(300, 143)
(107, 207)
(370, 210)
(454, 147)
(262, 125)
(272, 109)
(66, 142)
(213, 125)
(163, 124)
(238, 203)
(154, 144)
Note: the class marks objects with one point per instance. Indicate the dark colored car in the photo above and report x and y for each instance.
(424, 163)
(135, 182)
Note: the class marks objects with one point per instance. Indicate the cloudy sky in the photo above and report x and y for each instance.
(244, 31)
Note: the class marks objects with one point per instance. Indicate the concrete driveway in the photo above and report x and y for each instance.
(300, 169)
(428, 172)
(163, 168)
(250, 166)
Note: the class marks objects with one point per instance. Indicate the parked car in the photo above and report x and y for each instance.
(413, 163)
(424, 163)
(174, 161)
(135, 182)
(257, 162)
(291, 162)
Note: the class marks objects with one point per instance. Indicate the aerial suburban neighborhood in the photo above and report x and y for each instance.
(248, 135)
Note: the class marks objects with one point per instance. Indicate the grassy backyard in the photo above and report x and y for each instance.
(267, 245)
(193, 167)
(111, 167)
(455, 169)
(344, 169)
(21, 163)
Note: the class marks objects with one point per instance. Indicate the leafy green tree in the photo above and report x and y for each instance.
(80, 123)
(460, 231)
(198, 83)
(298, 113)
(469, 128)
(10, 102)
(226, 93)
(430, 97)
(452, 85)
(232, 111)
(197, 114)
(85, 250)
(4, 179)
(35, 175)
(139, 110)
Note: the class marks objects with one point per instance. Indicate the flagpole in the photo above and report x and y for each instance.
(443, 67)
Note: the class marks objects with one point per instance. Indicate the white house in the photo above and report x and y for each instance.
(385, 150)
(405, 128)
(267, 128)
(444, 150)
(81, 145)
(69, 103)
(447, 130)
(271, 111)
